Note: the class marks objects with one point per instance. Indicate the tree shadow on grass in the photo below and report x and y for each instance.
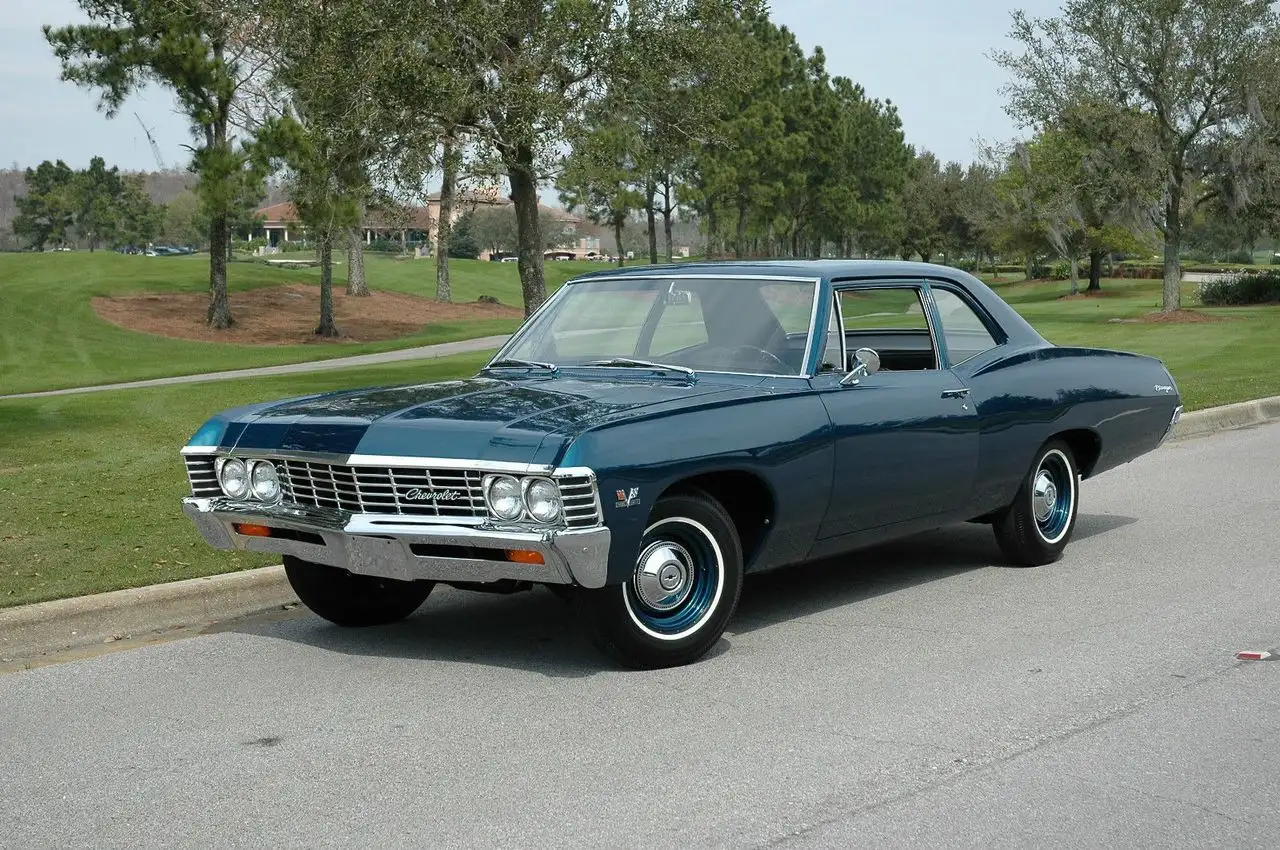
(535, 632)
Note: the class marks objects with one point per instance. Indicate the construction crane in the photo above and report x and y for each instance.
(155, 149)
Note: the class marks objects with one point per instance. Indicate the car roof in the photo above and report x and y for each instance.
(820, 269)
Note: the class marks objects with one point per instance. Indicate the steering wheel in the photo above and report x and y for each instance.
(756, 354)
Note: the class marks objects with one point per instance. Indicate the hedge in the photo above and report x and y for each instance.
(1240, 289)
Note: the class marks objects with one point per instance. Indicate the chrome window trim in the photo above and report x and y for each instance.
(978, 311)
(923, 294)
(805, 373)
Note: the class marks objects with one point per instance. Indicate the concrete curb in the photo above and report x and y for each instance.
(1200, 423)
(33, 630)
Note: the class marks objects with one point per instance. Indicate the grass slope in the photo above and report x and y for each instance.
(1233, 359)
(90, 485)
(50, 337)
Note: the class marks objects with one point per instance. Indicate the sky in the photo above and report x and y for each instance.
(930, 57)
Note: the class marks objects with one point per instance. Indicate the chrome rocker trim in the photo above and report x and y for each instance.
(379, 545)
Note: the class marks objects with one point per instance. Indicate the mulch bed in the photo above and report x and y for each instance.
(288, 315)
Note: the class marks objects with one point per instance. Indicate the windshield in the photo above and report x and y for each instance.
(706, 324)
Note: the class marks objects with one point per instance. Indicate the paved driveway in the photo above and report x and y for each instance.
(918, 695)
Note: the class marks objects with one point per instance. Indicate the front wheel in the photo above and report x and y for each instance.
(1035, 529)
(681, 593)
(349, 599)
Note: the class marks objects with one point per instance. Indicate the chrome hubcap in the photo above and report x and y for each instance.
(664, 576)
(1044, 496)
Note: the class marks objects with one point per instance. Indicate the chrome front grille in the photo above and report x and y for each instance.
(384, 490)
(405, 491)
(578, 494)
(201, 477)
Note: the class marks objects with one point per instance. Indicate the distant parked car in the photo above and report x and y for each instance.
(651, 435)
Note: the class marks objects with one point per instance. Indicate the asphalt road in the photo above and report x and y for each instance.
(920, 695)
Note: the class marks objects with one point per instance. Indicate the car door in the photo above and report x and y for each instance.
(906, 437)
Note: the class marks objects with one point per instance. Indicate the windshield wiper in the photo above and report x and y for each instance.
(644, 364)
(515, 361)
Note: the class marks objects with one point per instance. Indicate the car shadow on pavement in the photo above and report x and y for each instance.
(781, 595)
(536, 631)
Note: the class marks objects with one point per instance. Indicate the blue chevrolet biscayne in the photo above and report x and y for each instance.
(651, 435)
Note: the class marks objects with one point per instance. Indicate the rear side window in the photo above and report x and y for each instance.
(965, 333)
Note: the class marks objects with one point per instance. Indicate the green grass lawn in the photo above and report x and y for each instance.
(1233, 359)
(90, 484)
(51, 338)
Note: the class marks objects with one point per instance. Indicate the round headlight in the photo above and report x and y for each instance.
(233, 476)
(503, 497)
(542, 498)
(265, 481)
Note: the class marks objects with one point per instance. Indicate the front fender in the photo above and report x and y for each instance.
(782, 440)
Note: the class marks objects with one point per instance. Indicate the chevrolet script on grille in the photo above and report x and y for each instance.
(416, 495)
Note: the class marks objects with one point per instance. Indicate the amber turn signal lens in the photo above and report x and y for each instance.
(252, 530)
(524, 556)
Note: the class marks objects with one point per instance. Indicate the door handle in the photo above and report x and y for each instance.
(960, 393)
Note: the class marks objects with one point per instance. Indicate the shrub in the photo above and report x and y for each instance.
(1243, 288)
(1242, 258)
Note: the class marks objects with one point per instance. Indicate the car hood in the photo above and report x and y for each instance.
(524, 421)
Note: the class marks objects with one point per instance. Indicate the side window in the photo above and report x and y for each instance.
(892, 321)
(964, 331)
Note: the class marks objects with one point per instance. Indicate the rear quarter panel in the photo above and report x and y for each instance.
(1024, 399)
(781, 437)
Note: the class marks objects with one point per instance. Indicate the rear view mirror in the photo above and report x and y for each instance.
(866, 362)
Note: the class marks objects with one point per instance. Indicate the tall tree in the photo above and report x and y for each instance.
(450, 156)
(599, 177)
(47, 211)
(96, 192)
(184, 46)
(537, 65)
(329, 59)
(1204, 71)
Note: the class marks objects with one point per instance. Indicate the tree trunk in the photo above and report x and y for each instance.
(740, 236)
(1095, 271)
(356, 284)
(1172, 248)
(1031, 265)
(617, 241)
(219, 313)
(651, 189)
(1075, 276)
(444, 227)
(524, 196)
(666, 216)
(326, 326)
(713, 232)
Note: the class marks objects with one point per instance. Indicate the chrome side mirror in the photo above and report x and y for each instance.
(867, 363)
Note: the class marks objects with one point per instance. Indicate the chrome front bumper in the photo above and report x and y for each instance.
(402, 547)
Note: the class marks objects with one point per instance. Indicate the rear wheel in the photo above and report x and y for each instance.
(1035, 529)
(681, 593)
(348, 599)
